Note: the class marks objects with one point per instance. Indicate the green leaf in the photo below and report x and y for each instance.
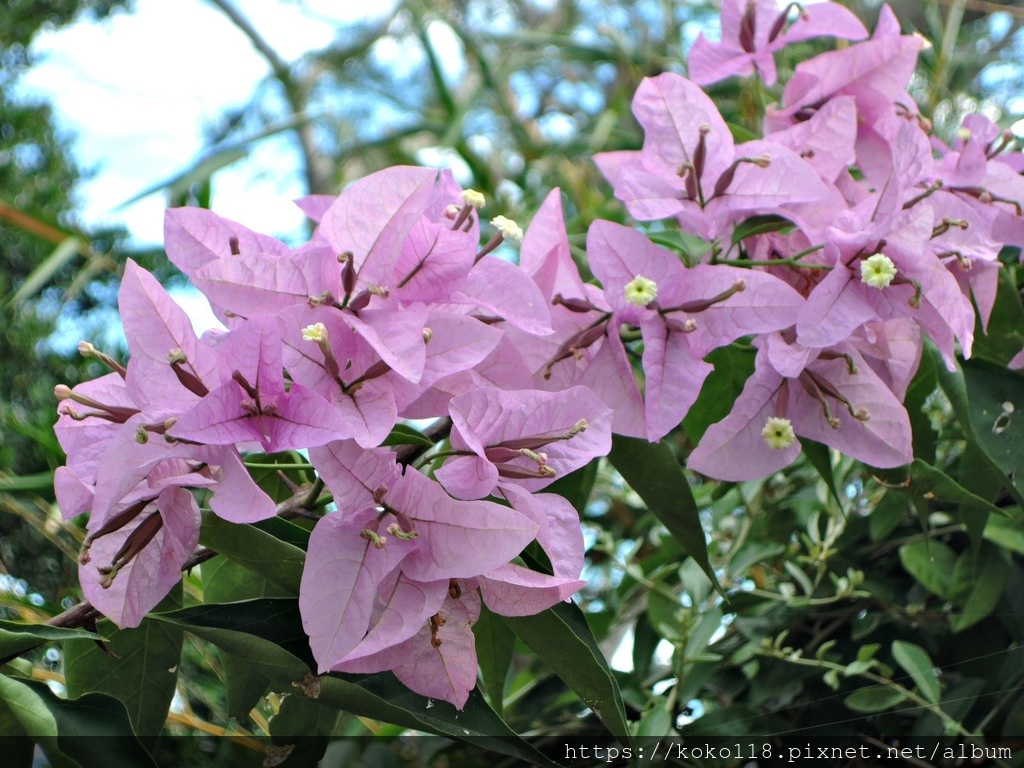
(41, 481)
(656, 722)
(142, 672)
(274, 619)
(225, 581)
(1007, 533)
(931, 563)
(921, 388)
(66, 250)
(752, 553)
(996, 408)
(653, 472)
(915, 660)
(733, 366)
(666, 615)
(925, 482)
(495, 646)
(979, 579)
(886, 515)
(820, 458)
(562, 639)
(382, 697)
(93, 730)
(27, 708)
(992, 456)
(874, 699)
(16, 638)
(277, 561)
(306, 725)
(690, 247)
(1005, 335)
(274, 624)
(759, 225)
(403, 434)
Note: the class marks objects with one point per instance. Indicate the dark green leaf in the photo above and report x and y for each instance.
(305, 724)
(925, 482)
(820, 458)
(93, 730)
(733, 366)
(41, 481)
(562, 639)
(874, 699)
(996, 408)
(495, 645)
(690, 247)
(403, 434)
(978, 580)
(142, 672)
(1005, 336)
(225, 581)
(277, 561)
(931, 563)
(915, 660)
(759, 225)
(380, 697)
(653, 472)
(16, 638)
(921, 388)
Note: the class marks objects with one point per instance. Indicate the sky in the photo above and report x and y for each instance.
(136, 90)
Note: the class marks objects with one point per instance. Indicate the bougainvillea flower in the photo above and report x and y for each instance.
(523, 438)
(439, 661)
(831, 396)
(684, 314)
(414, 526)
(690, 168)
(169, 368)
(254, 406)
(753, 30)
(125, 573)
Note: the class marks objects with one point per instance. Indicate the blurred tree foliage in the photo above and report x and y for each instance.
(516, 96)
(37, 203)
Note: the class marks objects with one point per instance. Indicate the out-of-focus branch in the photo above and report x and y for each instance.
(316, 169)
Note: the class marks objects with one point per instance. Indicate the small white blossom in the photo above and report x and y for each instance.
(641, 291)
(778, 433)
(507, 227)
(474, 198)
(877, 271)
(316, 332)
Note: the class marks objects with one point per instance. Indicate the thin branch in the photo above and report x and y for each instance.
(318, 176)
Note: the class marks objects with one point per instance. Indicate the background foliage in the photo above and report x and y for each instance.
(854, 602)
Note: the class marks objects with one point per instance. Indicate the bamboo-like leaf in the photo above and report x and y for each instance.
(66, 250)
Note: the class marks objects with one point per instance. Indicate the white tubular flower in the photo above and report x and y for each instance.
(641, 291)
(778, 433)
(877, 271)
(508, 228)
(473, 198)
(316, 332)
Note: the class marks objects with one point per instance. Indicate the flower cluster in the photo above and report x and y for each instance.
(393, 312)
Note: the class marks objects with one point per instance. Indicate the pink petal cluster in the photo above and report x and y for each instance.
(393, 312)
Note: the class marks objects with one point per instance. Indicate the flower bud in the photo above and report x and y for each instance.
(508, 228)
(316, 332)
(473, 198)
